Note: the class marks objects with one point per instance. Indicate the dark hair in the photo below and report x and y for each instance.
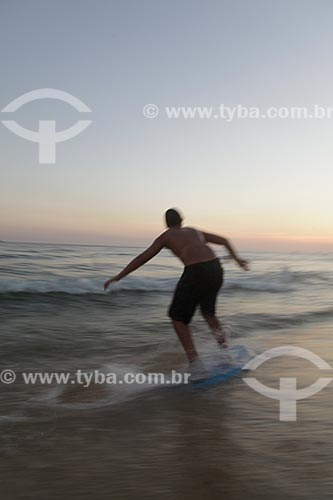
(172, 217)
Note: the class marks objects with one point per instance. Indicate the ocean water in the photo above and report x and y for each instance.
(140, 441)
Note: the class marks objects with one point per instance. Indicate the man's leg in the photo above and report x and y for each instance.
(184, 334)
(217, 329)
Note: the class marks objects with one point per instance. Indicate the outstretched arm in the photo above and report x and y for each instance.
(220, 240)
(139, 261)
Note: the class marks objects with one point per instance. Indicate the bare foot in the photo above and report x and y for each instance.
(222, 340)
(222, 336)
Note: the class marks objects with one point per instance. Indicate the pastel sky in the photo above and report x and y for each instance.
(267, 184)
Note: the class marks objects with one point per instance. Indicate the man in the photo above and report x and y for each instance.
(200, 282)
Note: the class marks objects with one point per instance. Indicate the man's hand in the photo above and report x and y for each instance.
(243, 264)
(108, 282)
(140, 260)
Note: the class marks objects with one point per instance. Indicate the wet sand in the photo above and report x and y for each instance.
(222, 442)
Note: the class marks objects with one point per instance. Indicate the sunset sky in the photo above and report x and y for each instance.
(265, 183)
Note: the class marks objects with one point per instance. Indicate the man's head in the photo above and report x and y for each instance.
(173, 218)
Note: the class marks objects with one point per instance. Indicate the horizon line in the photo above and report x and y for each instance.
(144, 246)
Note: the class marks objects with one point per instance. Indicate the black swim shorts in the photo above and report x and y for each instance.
(198, 285)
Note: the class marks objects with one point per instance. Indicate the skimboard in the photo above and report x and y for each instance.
(234, 359)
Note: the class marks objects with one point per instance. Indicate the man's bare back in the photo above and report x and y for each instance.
(188, 244)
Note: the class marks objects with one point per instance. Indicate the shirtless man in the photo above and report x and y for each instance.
(200, 282)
